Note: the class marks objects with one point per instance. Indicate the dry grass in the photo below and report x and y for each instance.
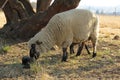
(109, 25)
(106, 66)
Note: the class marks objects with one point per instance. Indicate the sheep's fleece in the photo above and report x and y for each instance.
(75, 25)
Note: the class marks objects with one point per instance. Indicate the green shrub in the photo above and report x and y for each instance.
(4, 49)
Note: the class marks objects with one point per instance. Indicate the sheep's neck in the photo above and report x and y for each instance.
(49, 40)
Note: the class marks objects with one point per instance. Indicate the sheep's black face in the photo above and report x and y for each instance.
(33, 53)
(26, 62)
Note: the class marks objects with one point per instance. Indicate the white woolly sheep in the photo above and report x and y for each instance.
(63, 29)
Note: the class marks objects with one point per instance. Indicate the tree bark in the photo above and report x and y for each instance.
(11, 17)
(28, 7)
(42, 5)
(1, 3)
(18, 6)
(27, 28)
(10, 14)
(15, 11)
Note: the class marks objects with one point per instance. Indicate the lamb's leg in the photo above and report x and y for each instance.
(94, 50)
(72, 48)
(65, 55)
(86, 47)
(94, 42)
(80, 49)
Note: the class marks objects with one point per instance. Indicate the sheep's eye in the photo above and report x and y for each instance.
(38, 43)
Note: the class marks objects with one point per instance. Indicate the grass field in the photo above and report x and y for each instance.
(106, 66)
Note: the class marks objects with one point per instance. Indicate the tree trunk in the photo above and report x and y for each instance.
(11, 17)
(42, 5)
(2, 3)
(10, 14)
(18, 6)
(27, 28)
(15, 11)
(28, 7)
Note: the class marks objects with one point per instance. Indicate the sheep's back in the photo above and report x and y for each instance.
(76, 23)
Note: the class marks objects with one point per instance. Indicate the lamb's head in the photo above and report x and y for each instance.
(35, 49)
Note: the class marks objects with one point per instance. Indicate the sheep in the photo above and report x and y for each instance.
(63, 29)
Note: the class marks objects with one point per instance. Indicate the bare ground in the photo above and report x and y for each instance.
(106, 66)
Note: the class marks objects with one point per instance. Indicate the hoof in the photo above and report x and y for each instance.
(77, 55)
(72, 52)
(94, 55)
(64, 59)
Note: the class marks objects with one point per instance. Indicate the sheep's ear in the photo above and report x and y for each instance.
(38, 42)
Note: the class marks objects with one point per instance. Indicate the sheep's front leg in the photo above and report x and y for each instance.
(65, 55)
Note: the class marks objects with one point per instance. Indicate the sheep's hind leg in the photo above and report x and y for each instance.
(94, 48)
(86, 47)
(65, 55)
(80, 49)
(72, 48)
